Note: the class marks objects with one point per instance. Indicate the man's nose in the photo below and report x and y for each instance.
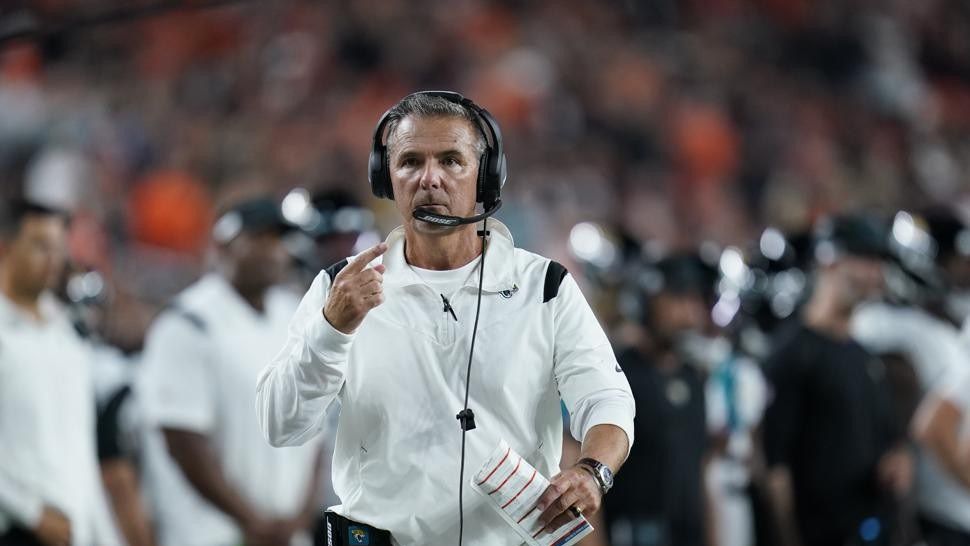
(431, 175)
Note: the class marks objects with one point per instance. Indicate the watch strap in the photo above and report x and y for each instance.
(594, 467)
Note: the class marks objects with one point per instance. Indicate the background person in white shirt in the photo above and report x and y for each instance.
(201, 361)
(50, 486)
(942, 427)
(392, 342)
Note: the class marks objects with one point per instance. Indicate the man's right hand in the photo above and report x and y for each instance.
(356, 290)
(53, 529)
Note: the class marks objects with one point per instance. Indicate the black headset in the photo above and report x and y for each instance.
(492, 166)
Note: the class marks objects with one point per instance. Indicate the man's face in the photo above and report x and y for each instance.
(860, 279)
(260, 259)
(433, 164)
(36, 256)
(673, 314)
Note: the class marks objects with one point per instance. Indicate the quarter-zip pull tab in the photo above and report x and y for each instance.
(448, 308)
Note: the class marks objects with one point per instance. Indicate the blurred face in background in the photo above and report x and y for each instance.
(673, 314)
(36, 255)
(857, 279)
(335, 247)
(258, 260)
(957, 272)
(433, 163)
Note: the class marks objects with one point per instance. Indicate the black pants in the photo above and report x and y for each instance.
(938, 534)
(340, 531)
(19, 537)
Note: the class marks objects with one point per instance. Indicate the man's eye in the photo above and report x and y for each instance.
(409, 162)
(452, 161)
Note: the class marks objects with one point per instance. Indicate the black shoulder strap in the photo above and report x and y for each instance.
(109, 429)
(193, 318)
(336, 268)
(555, 273)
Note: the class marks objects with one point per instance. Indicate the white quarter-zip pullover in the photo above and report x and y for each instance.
(400, 379)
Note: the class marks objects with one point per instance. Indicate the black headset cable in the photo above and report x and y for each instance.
(467, 417)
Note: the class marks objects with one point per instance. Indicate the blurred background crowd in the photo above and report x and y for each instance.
(766, 201)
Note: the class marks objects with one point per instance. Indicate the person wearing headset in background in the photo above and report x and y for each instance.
(388, 333)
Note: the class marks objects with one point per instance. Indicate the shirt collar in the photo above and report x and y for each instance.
(499, 265)
(50, 311)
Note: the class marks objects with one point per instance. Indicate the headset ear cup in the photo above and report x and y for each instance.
(374, 173)
(386, 175)
(377, 172)
(481, 191)
(492, 179)
(500, 170)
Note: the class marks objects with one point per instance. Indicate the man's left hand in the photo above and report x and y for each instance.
(571, 488)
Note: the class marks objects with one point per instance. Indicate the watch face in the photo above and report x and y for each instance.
(606, 475)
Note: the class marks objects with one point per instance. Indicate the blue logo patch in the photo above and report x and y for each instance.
(509, 293)
(358, 536)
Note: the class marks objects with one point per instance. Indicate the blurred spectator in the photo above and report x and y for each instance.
(50, 486)
(736, 394)
(335, 225)
(836, 460)
(662, 499)
(949, 233)
(921, 331)
(97, 307)
(201, 360)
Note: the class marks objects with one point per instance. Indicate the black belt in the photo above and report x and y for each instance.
(346, 532)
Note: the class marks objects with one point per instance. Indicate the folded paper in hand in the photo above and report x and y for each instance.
(513, 487)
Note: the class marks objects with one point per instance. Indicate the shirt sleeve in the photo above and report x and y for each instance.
(294, 391)
(178, 387)
(591, 383)
(956, 387)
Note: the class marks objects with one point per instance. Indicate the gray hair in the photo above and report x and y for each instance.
(422, 105)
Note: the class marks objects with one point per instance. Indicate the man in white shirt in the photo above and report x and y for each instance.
(942, 427)
(50, 486)
(202, 356)
(393, 341)
(925, 334)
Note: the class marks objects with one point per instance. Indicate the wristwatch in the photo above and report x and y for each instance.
(601, 472)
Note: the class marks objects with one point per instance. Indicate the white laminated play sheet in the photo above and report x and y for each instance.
(513, 487)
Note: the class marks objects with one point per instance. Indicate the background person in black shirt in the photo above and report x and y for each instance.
(831, 440)
(662, 500)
